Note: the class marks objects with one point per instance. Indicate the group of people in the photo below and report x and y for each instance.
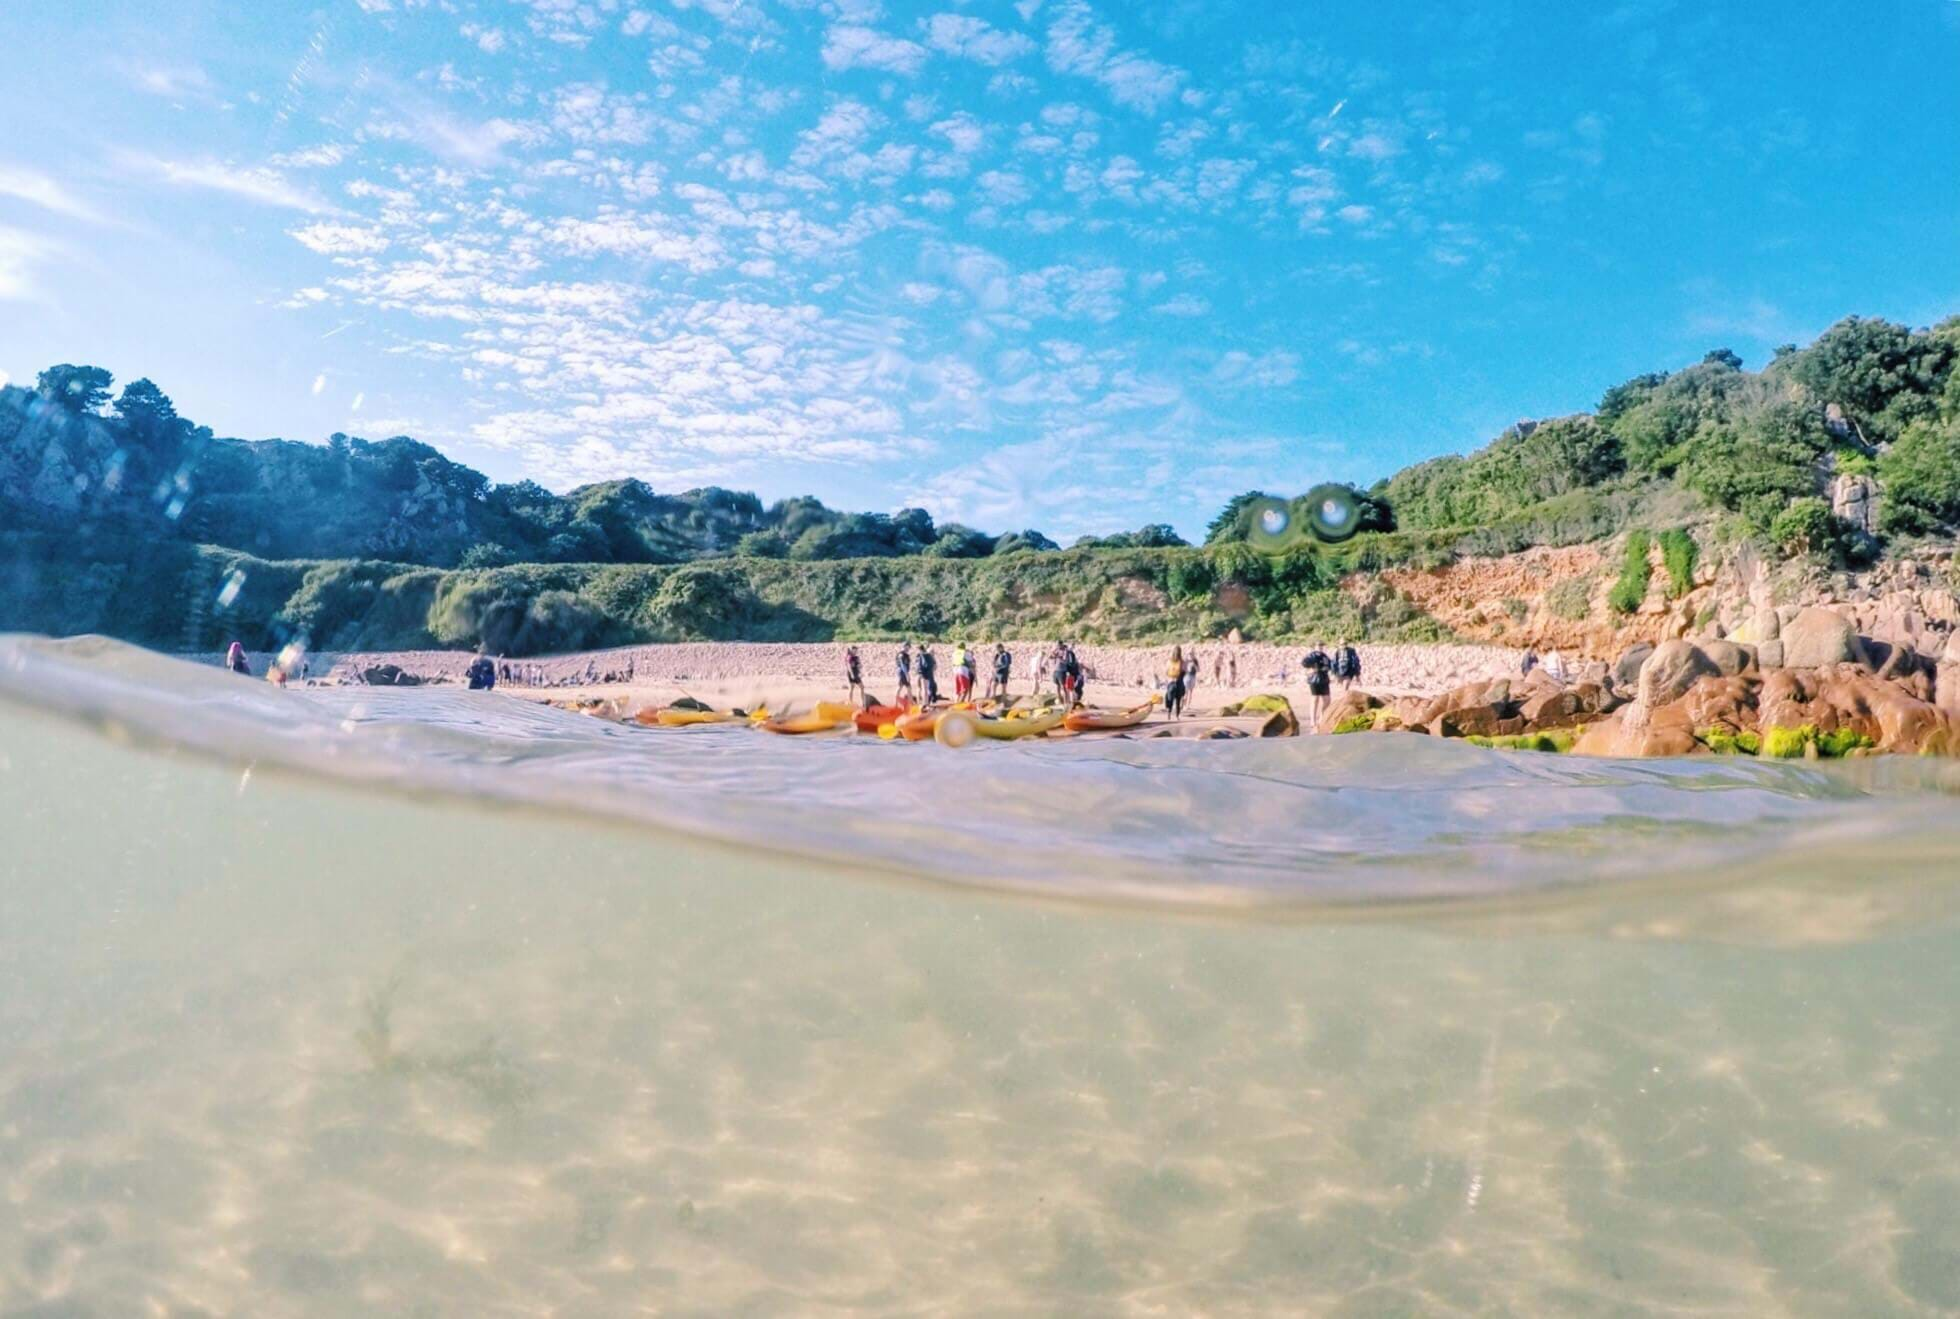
(917, 672)
(1324, 669)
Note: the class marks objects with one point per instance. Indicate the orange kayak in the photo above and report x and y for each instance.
(869, 719)
(1089, 721)
(918, 727)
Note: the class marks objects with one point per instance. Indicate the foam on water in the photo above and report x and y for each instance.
(549, 1017)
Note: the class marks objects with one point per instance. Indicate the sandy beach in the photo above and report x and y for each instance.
(781, 674)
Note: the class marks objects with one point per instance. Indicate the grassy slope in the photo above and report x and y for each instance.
(167, 595)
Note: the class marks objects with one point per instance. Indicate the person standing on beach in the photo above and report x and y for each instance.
(235, 660)
(1003, 666)
(928, 675)
(962, 672)
(1174, 688)
(853, 676)
(1317, 665)
(904, 696)
(1347, 665)
(1233, 662)
(1194, 668)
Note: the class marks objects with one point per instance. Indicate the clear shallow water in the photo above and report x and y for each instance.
(1327, 1026)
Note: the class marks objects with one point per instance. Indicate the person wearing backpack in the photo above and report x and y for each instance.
(1347, 665)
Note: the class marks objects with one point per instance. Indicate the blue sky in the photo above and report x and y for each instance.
(1054, 263)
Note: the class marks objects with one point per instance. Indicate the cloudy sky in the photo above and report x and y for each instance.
(1045, 263)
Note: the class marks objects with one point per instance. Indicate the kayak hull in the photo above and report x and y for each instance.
(1102, 721)
(1008, 730)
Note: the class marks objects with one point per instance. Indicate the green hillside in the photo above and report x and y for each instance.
(119, 516)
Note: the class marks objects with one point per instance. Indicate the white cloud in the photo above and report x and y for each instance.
(975, 39)
(849, 47)
(1184, 304)
(1274, 369)
(319, 384)
(649, 238)
(340, 239)
(588, 114)
(1078, 44)
(253, 183)
(20, 253)
(841, 128)
(44, 192)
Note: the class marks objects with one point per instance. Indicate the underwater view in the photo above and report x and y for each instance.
(338, 1002)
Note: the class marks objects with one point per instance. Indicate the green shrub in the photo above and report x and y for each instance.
(1787, 743)
(1807, 526)
(1841, 742)
(1570, 599)
(1556, 741)
(1727, 742)
(1678, 554)
(1630, 589)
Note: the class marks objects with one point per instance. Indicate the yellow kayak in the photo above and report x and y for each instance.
(1007, 729)
(803, 723)
(1087, 721)
(835, 711)
(683, 718)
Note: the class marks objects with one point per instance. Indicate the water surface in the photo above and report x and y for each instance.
(414, 1002)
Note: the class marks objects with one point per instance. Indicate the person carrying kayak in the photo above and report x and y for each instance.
(1003, 666)
(235, 660)
(962, 673)
(853, 676)
(1174, 688)
(904, 696)
(482, 674)
(928, 676)
(1318, 666)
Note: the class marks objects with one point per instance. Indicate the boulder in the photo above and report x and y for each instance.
(1671, 670)
(1854, 499)
(1280, 723)
(1348, 706)
(1769, 654)
(1728, 658)
(1616, 735)
(389, 675)
(1626, 672)
(1817, 637)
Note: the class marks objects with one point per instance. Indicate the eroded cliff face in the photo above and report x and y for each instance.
(1556, 599)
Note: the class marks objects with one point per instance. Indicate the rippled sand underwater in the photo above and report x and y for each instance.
(271, 1044)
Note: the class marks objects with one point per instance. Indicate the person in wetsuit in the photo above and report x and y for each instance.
(928, 675)
(904, 696)
(853, 675)
(482, 674)
(1318, 667)
(1003, 667)
(1068, 676)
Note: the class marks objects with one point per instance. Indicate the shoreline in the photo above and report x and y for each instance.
(740, 672)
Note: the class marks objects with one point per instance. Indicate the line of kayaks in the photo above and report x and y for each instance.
(952, 726)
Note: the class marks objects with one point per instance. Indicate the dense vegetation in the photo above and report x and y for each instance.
(118, 515)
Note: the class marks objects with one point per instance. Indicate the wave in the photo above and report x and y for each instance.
(1322, 824)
